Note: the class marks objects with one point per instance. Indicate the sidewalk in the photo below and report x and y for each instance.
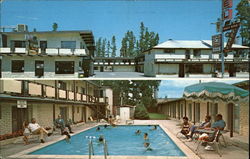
(230, 152)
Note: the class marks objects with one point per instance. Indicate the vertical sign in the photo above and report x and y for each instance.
(216, 43)
(228, 13)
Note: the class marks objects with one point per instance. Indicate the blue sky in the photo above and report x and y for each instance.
(175, 88)
(172, 19)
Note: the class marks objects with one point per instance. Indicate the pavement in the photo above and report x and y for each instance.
(232, 151)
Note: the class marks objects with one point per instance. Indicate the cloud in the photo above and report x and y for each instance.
(29, 18)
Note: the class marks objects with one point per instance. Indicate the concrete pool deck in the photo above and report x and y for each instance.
(230, 152)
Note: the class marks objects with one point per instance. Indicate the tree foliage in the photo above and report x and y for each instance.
(243, 14)
(141, 112)
(135, 91)
(130, 47)
(54, 27)
(105, 48)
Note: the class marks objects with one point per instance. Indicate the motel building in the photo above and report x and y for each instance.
(193, 57)
(46, 54)
(235, 114)
(21, 100)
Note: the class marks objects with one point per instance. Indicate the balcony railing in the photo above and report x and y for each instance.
(15, 87)
(48, 51)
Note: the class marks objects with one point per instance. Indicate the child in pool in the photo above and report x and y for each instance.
(98, 128)
(145, 136)
(138, 132)
(101, 139)
(154, 128)
(147, 146)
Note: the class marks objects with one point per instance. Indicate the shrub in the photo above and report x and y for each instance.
(141, 112)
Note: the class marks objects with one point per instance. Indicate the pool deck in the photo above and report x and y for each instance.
(18, 150)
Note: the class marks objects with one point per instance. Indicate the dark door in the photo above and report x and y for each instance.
(181, 70)
(84, 114)
(39, 68)
(19, 115)
(230, 118)
(63, 112)
(43, 46)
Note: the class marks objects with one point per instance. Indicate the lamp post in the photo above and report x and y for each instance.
(222, 39)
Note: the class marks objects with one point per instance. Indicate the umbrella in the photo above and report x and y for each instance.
(214, 91)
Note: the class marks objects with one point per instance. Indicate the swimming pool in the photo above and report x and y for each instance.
(121, 141)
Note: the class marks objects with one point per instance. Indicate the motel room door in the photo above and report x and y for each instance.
(233, 118)
(19, 115)
(39, 68)
(63, 112)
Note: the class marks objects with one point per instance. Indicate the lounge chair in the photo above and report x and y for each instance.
(214, 140)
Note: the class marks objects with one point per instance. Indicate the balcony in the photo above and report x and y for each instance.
(34, 89)
(48, 51)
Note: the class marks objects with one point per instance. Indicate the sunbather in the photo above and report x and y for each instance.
(203, 125)
(185, 127)
(37, 129)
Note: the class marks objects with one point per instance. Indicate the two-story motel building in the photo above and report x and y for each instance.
(59, 54)
(45, 99)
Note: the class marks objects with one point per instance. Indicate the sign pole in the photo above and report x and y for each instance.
(222, 38)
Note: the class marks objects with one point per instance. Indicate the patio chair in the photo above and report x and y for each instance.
(129, 122)
(214, 140)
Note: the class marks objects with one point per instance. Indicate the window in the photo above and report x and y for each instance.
(17, 66)
(197, 53)
(65, 67)
(20, 44)
(169, 50)
(68, 44)
(95, 68)
(101, 93)
(83, 90)
(62, 85)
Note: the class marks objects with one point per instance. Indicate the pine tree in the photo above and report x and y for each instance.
(113, 47)
(243, 15)
(108, 50)
(98, 47)
(142, 37)
(103, 47)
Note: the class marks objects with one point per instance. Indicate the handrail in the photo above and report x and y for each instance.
(91, 148)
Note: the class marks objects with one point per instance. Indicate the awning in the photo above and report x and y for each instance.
(215, 90)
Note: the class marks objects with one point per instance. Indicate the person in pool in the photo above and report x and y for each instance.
(147, 146)
(98, 128)
(105, 126)
(138, 132)
(101, 139)
(154, 128)
(145, 136)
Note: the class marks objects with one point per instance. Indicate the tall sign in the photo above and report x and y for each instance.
(228, 12)
(216, 43)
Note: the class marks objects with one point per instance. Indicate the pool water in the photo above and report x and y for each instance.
(121, 140)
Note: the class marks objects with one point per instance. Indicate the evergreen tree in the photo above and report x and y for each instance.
(243, 14)
(98, 47)
(142, 37)
(108, 50)
(103, 47)
(54, 26)
(113, 47)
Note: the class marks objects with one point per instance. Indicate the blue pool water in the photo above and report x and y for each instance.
(121, 140)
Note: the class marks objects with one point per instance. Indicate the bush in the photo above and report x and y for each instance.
(141, 112)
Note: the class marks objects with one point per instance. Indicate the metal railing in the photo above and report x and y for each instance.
(105, 149)
(91, 147)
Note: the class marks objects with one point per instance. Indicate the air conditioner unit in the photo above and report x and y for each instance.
(22, 28)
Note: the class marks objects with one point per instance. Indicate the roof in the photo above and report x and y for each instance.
(52, 32)
(191, 44)
(169, 100)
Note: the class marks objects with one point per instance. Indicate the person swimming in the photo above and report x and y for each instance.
(138, 132)
(154, 128)
(105, 126)
(147, 146)
(101, 139)
(145, 136)
(98, 128)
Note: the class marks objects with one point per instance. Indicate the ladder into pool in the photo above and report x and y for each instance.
(91, 149)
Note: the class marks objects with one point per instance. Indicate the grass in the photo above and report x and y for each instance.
(157, 116)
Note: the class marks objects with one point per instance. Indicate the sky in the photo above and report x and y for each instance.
(172, 19)
(175, 88)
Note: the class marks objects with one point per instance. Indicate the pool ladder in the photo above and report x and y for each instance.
(91, 149)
